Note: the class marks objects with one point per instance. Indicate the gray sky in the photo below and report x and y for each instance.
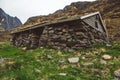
(24, 9)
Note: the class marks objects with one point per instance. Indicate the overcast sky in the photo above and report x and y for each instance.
(24, 9)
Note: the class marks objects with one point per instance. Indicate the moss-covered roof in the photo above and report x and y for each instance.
(48, 22)
(45, 23)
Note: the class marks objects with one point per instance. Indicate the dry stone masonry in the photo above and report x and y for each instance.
(74, 34)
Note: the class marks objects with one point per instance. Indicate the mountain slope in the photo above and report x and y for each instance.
(8, 22)
(110, 10)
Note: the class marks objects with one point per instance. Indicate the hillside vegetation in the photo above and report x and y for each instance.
(48, 64)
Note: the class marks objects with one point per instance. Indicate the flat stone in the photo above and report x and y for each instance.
(60, 33)
(64, 66)
(79, 33)
(70, 50)
(103, 62)
(59, 53)
(63, 74)
(102, 49)
(55, 36)
(83, 57)
(59, 28)
(50, 28)
(83, 42)
(69, 39)
(61, 61)
(49, 57)
(106, 57)
(108, 45)
(24, 48)
(73, 60)
(78, 54)
(70, 29)
(51, 31)
(64, 30)
(37, 70)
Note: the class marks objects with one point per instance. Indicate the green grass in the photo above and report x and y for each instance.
(36, 65)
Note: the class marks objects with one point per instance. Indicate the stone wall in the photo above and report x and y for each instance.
(75, 35)
(28, 39)
(71, 36)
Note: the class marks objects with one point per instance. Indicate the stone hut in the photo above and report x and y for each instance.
(72, 33)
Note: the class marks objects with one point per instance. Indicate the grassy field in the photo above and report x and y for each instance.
(48, 64)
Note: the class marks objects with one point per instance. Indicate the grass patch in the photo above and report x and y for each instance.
(47, 64)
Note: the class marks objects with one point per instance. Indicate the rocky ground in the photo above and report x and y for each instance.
(99, 63)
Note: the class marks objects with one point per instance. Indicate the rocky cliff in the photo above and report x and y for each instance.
(8, 22)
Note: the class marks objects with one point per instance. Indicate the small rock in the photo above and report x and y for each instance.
(59, 53)
(79, 54)
(41, 47)
(49, 57)
(63, 66)
(95, 52)
(64, 30)
(37, 71)
(83, 57)
(73, 60)
(24, 48)
(106, 57)
(87, 63)
(102, 49)
(61, 61)
(117, 74)
(108, 45)
(70, 50)
(103, 62)
(10, 62)
(63, 74)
